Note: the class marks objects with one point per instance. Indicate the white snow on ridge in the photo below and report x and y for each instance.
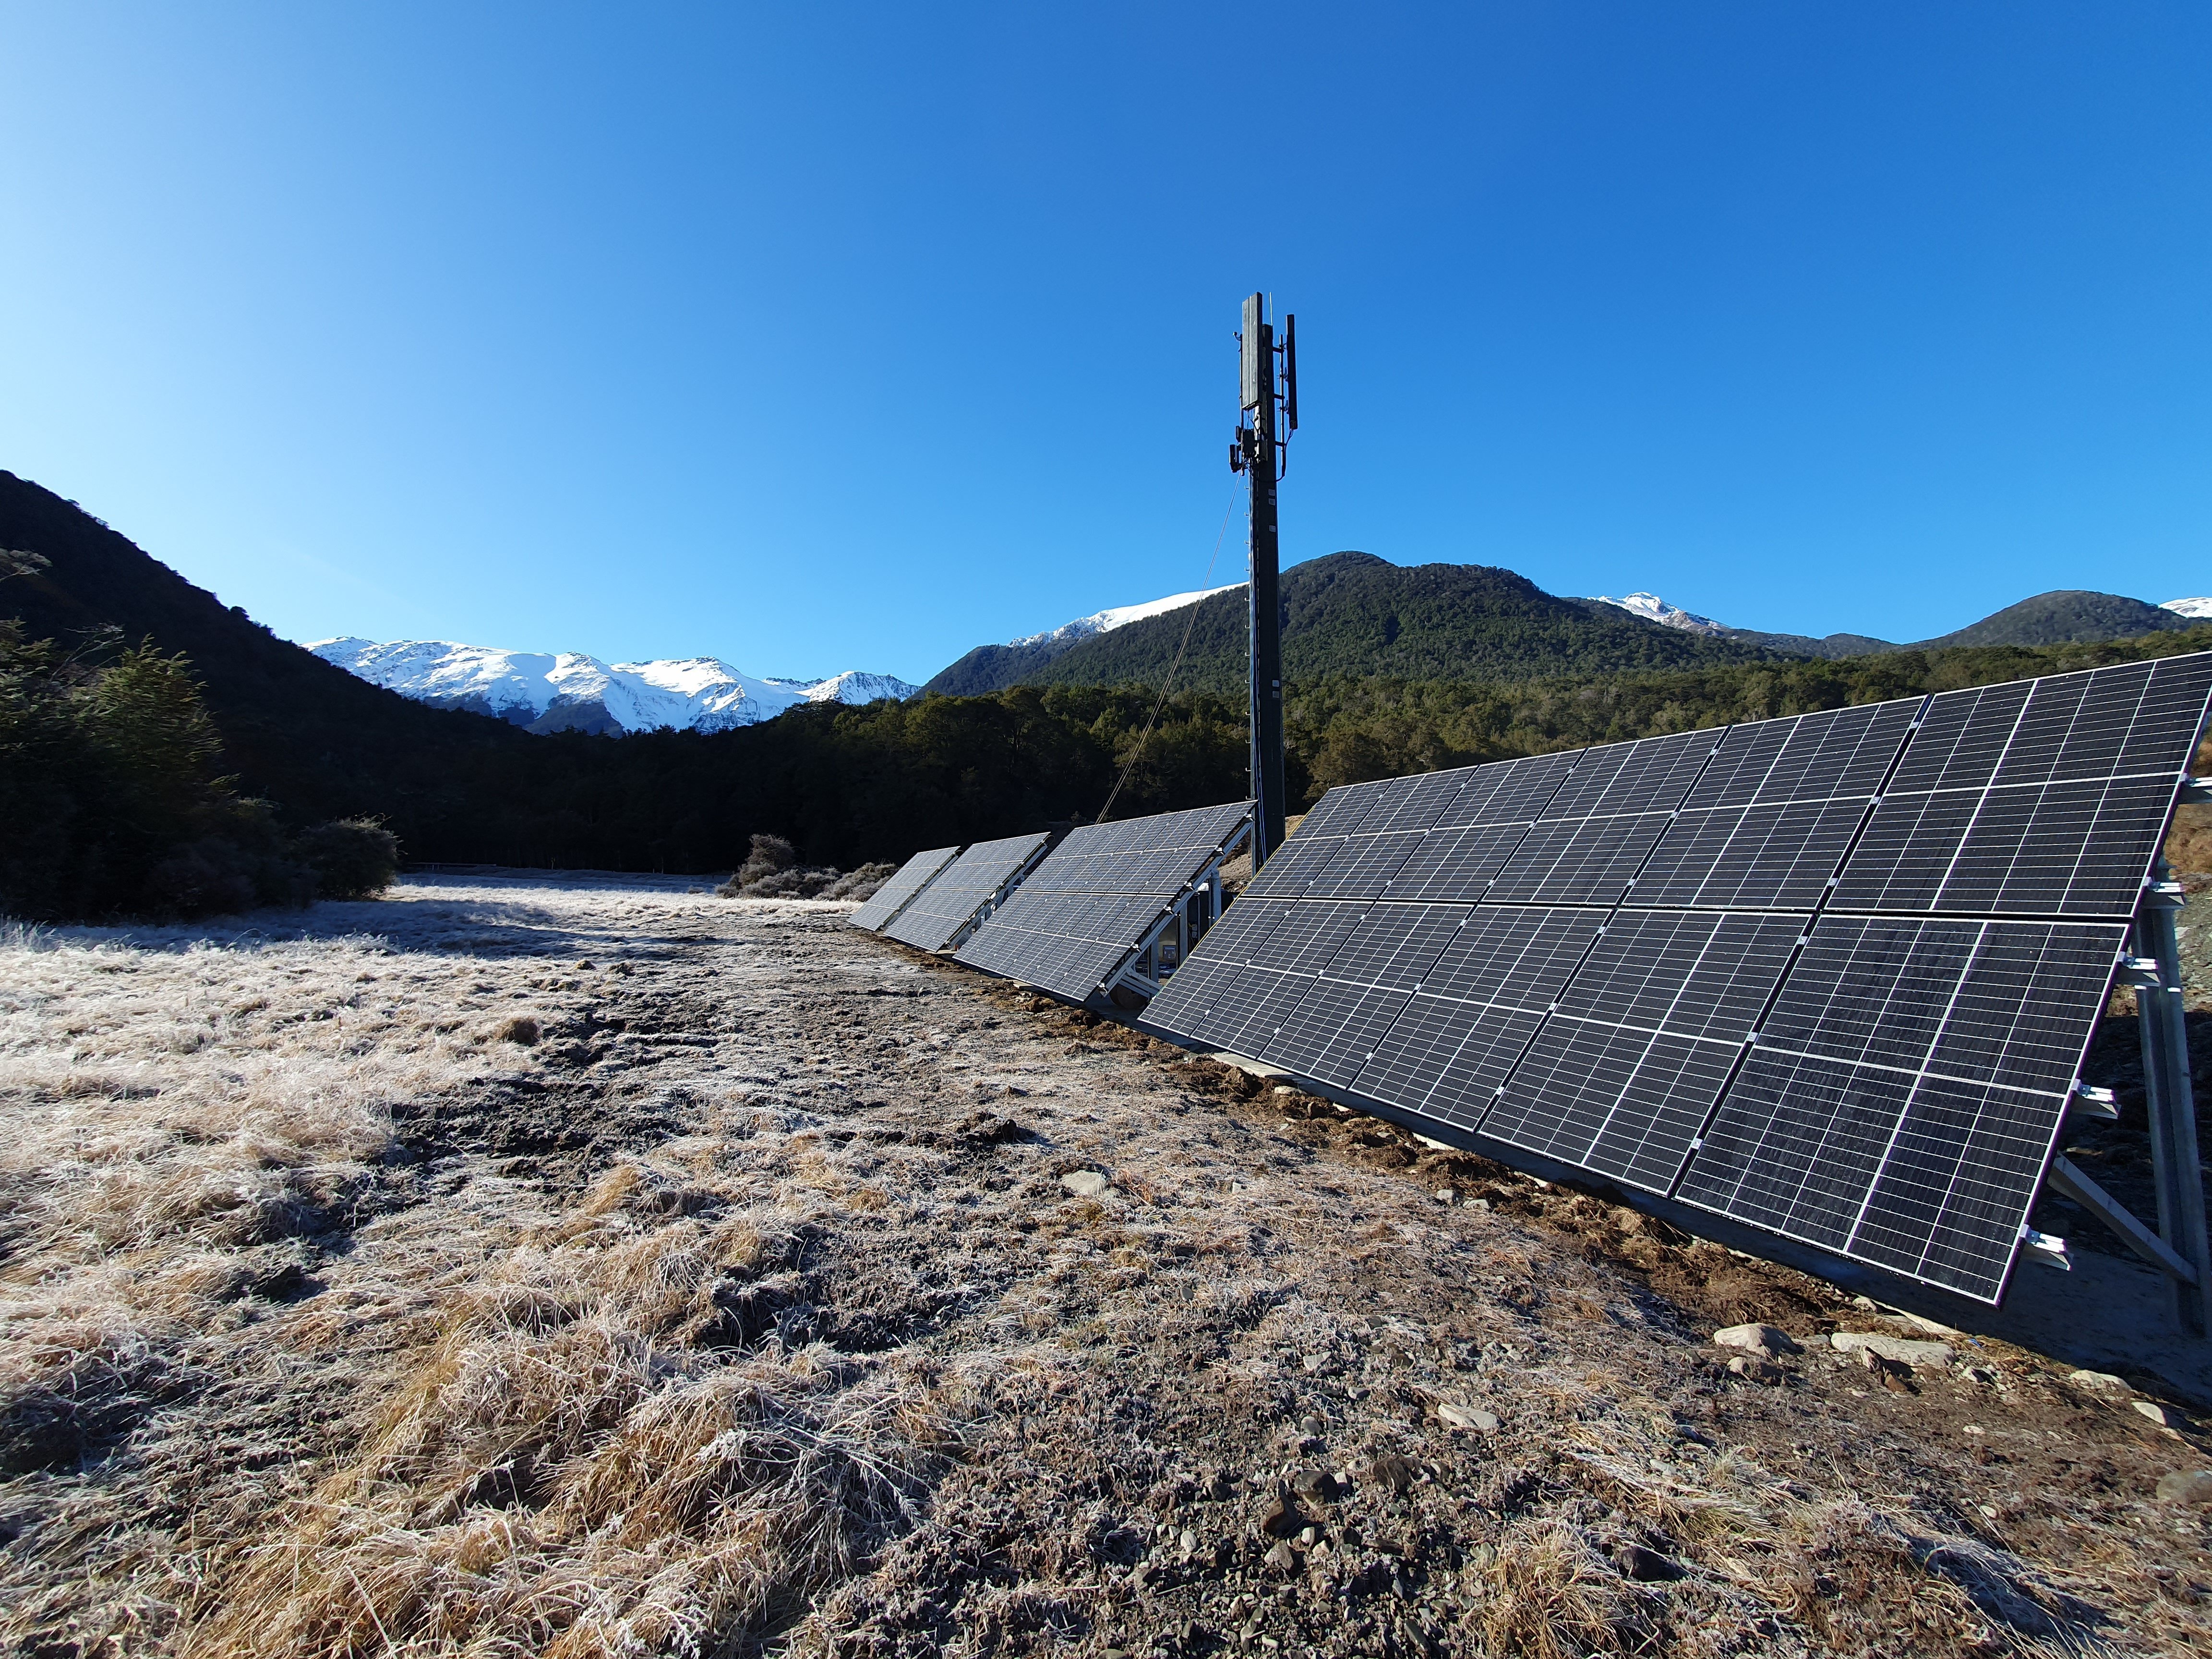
(1119, 615)
(2189, 607)
(699, 694)
(1652, 607)
(855, 685)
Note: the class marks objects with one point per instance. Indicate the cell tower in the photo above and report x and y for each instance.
(1268, 382)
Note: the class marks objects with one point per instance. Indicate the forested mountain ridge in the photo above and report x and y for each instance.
(1353, 613)
(849, 784)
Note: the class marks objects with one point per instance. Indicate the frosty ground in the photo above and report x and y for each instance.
(581, 1266)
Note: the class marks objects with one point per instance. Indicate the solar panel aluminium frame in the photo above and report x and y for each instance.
(1759, 1240)
(905, 885)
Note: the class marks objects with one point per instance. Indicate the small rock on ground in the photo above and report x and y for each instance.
(1904, 1350)
(2191, 1486)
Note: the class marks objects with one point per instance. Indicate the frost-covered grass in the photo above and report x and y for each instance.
(747, 1304)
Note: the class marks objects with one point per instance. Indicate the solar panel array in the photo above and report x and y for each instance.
(1831, 975)
(1078, 919)
(944, 909)
(888, 900)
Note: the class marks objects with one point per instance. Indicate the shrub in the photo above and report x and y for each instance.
(792, 884)
(861, 883)
(772, 869)
(769, 854)
(352, 858)
(110, 800)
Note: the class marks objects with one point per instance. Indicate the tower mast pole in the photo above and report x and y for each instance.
(1258, 447)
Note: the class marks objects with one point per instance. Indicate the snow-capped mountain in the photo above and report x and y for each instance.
(569, 691)
(1119, 615)
(2189, 607)
(1652, 607)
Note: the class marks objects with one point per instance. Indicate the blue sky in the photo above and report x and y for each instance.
(835, 335)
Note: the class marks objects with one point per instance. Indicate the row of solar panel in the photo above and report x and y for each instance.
(2041, 797)
(1681, 963)
(1069, 921)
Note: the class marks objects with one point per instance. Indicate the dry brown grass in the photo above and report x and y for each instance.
(570, 1473)
(372, 1332)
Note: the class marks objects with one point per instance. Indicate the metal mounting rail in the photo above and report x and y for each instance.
(1170, 938)
(2175, 1164)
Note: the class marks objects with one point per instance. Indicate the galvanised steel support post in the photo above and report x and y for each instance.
(2175, 1160)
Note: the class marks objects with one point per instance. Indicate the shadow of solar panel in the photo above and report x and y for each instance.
(1622, 1077)
(908, 879)
(2045, 797)
(947, 905)
(1907, 1089)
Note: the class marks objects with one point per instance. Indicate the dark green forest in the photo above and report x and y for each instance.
(1354, 614)
(160, 751)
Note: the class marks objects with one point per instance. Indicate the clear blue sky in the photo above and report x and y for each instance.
(817, 336)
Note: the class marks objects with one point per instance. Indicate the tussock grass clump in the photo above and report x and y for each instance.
(580, 1467)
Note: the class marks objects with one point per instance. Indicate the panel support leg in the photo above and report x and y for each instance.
(2175, 1160)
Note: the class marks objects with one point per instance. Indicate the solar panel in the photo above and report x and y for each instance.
(893, 897)
(943, 911)
(1623, 1073)
(1769, 819)
(1593, 836)
(1903, 1098)
(1464, 1028)
(1831, 975)
(1080, 917)
(2040, 798)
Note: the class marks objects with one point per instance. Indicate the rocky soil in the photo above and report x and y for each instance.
(535, 1265)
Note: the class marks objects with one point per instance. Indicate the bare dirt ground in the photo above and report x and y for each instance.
(575, 1267)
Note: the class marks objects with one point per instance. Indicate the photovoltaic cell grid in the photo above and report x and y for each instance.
(1079, 917)
(888, 900)
(942, 909)
(1832, 976)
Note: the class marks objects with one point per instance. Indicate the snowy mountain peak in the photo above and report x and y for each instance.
(1119, 615)
(2189, 607)
(570, 691)
(1652, 607)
